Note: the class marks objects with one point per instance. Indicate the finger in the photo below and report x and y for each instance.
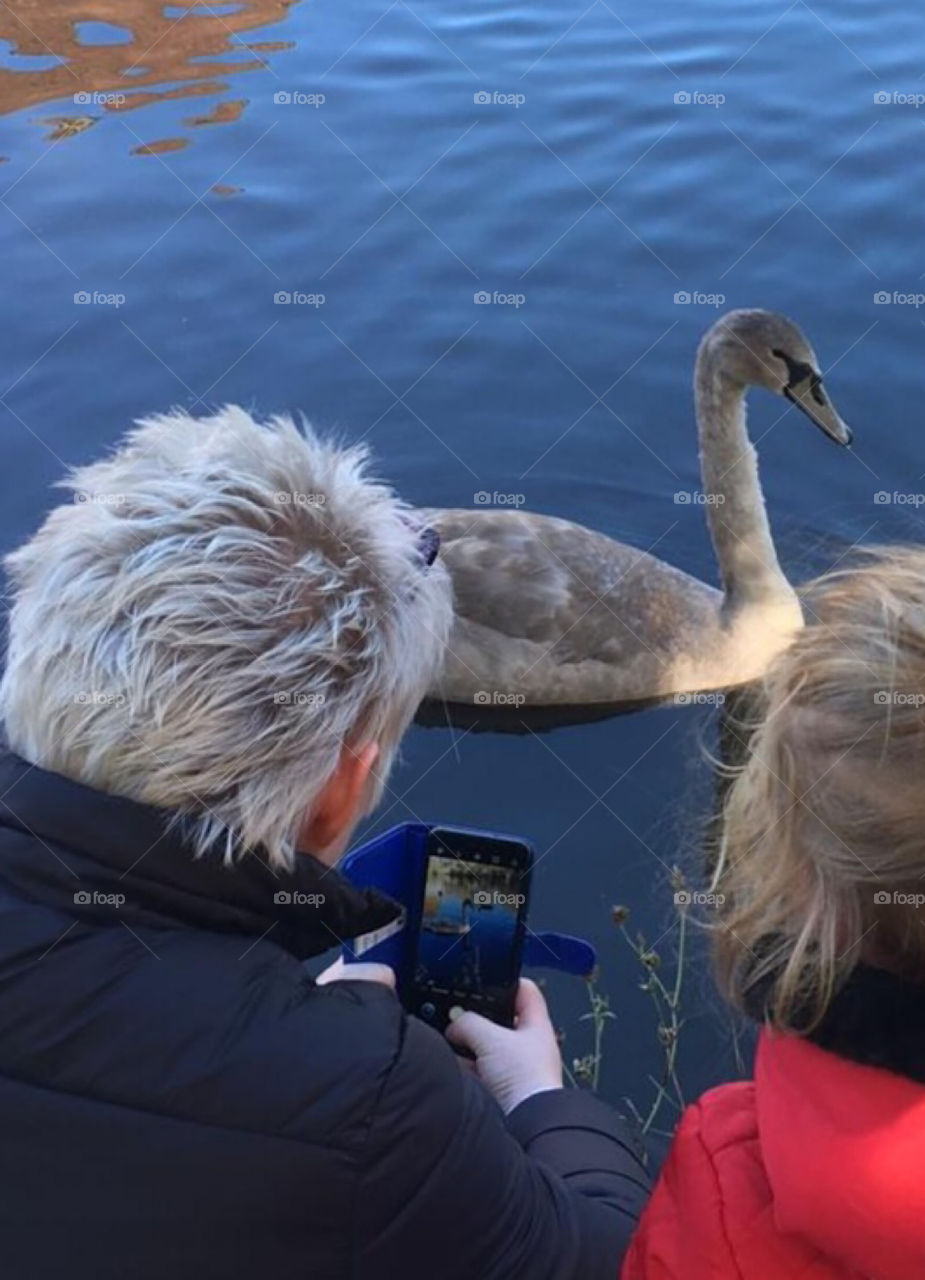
(473, 1032)
(530, 1005)
(367, 971)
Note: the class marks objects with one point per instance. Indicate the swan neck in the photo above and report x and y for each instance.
(735, 507)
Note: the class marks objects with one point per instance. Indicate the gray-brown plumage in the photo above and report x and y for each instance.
(552, 613)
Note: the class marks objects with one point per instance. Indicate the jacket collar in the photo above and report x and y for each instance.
(876, 1018)
(80, 850)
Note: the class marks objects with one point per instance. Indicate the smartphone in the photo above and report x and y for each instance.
(468, 927)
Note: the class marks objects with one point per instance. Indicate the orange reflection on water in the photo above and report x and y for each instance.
(187, 44)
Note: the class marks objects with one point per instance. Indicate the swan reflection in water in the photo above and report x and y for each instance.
(119, 56)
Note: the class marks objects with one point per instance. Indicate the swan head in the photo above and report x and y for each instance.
(765, 349)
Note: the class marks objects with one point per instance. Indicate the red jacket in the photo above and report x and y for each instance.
(816, 1171)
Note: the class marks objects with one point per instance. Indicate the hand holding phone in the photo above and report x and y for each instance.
(512, 1064)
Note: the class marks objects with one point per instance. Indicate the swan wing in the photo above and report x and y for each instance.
(561, 613)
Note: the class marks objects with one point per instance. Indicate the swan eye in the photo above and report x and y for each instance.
(816, 391)
(799, 372)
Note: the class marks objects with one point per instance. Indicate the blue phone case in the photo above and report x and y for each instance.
(394, 863)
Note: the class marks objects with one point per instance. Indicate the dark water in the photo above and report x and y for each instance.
(215, 179)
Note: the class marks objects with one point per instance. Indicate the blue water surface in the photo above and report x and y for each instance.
(610, 176)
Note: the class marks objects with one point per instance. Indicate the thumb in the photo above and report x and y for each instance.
(468, 1030)
(530, 1005)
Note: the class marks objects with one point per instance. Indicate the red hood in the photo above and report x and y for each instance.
(844, 1149)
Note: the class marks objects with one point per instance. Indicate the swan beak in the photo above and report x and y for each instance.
(812, 400)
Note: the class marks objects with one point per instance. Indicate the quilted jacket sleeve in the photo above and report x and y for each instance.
(452, 1189)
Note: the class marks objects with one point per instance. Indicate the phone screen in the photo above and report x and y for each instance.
(471, 928)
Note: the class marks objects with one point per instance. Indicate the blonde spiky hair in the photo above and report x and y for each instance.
(222, 607)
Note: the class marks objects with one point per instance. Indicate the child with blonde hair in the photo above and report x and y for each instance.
(815, 1168)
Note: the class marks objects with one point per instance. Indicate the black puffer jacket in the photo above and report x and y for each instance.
(180, 1101)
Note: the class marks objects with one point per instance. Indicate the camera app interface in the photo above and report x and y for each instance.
(468, 936)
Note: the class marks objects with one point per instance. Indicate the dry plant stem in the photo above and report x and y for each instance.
(667, 1005)
(599, 1015)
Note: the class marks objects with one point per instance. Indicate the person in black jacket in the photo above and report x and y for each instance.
(213, 654)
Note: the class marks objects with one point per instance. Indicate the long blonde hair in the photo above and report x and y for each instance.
(822, 852)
